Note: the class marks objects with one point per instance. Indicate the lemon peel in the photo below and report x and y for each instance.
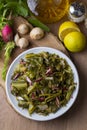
(75, 41)
(67, 27)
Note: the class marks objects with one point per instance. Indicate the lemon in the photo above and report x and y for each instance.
(75, 41)
(67, 27)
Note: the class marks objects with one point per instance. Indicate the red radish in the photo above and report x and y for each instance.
(7, 33)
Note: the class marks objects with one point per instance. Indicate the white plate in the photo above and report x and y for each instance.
(35, 116)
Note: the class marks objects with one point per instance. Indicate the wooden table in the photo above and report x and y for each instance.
(74, 119)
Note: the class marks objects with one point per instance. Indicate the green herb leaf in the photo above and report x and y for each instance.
(8, 49)
(1, 43)
(17, 8)
(35, 22)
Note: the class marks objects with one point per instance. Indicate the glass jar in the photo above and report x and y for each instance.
(48, 11)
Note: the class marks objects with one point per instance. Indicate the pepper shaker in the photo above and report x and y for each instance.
(77, 12)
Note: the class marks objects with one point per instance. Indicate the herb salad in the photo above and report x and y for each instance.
(42, 83)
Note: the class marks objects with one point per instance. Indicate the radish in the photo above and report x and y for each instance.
(7, 33)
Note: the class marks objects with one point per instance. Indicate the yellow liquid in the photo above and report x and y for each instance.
(49, 11)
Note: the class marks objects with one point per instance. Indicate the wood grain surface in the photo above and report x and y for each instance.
(75, 118)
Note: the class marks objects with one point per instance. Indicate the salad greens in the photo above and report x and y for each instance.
(18, 7)
(8, 49)
(42, 83)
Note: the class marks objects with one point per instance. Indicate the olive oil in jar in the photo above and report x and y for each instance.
(48, 11)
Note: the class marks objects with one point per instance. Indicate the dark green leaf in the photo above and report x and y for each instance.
(1, 43)
(19, 9)
(35, 22)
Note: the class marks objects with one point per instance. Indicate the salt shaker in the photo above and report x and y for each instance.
(77, 12)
